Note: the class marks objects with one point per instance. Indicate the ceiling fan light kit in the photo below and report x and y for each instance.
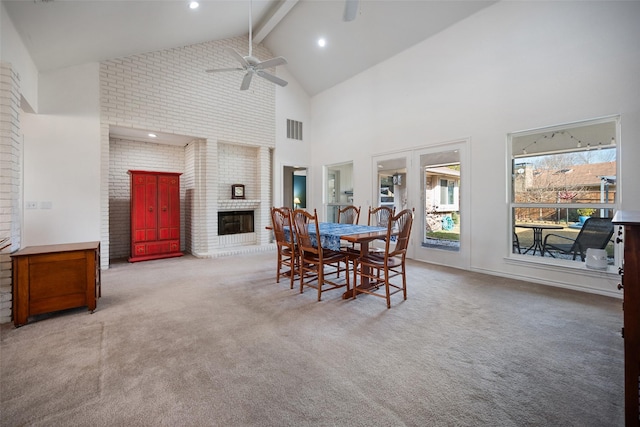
(253, 65)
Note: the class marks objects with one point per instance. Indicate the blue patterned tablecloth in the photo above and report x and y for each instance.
(330, 233)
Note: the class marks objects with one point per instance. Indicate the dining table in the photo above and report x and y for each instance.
(537, 235)
(331, 234)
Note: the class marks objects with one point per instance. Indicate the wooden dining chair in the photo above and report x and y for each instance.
(379, 217)
(286, 248)
(315, 263)
(349, 215)
(380, 269)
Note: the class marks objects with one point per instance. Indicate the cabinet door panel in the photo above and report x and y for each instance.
(169, 207)
(164, 207)
(174, 213)
(151, 203)
(138, 204)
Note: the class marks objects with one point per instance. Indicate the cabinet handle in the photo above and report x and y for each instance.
(164, 208)
(150, 208)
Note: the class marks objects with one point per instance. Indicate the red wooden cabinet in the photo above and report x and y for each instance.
(155, 215)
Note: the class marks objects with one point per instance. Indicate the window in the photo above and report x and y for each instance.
(338, 189)
(441, 186)
(448, 193)
(561, 177)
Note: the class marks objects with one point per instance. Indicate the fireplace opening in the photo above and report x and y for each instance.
(235, 222)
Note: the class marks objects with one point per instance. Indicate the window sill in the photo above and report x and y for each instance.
(565, 266)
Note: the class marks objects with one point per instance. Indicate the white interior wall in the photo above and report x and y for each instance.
(62, 159)
(512, 66)
(292, 102)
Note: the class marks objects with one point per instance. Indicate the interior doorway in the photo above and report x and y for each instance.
(338, 189)
(294, 187)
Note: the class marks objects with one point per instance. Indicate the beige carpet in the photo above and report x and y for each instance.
(216, 342)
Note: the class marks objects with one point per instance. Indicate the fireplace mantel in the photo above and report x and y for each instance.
(238, 204)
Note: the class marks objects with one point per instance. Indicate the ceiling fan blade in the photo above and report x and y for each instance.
(270, 63)
(350, 10)
(238, 57)
(217, 70)
(272, 78)
(246, 81)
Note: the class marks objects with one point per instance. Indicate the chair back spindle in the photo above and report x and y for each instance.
(349, 215)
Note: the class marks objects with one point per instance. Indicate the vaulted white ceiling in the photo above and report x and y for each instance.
(61, 33)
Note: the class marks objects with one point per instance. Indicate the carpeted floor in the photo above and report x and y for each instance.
(216, 342)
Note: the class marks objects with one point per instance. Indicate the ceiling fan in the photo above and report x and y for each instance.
(350, 10)
(253, 65)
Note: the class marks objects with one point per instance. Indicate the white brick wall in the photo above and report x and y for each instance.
(127, 155)
(10, 174)
(169, 91)
(237, 164)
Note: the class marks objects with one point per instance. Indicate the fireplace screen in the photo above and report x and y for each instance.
(235, 222)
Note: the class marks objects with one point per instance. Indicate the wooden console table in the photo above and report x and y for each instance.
(55, 277)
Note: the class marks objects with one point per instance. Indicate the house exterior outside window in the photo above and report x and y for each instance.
(442, 195)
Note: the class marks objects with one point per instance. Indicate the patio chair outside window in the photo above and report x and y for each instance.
(595, 233)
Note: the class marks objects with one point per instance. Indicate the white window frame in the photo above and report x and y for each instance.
(511, 205)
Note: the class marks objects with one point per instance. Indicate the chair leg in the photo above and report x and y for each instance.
(386, 288)
(278, 266)
(301, 277)
(346, 274)
(320, 281)
(355, 278)
(404, 284)
(292, 270)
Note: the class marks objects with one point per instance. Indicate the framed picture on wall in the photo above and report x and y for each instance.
(237, 191)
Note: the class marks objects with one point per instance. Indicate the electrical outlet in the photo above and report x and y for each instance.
(31, 205)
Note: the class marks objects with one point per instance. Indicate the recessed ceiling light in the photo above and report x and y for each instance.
(193, 4)
(322, 42)
(152, 135)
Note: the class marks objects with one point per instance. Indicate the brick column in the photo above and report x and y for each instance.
(264, 182)
(10, 173)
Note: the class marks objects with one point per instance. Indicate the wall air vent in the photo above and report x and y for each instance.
(294, 129)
